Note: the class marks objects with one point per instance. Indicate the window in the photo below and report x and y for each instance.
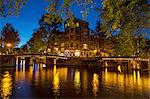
(77, 24)
(81, 53)
(77, 31)
(72, 30)
(77, 38)
(71, 44)
(65, 25)
(72, 23)
(85, 46)
(77, 46)
(68, 24)
(71, 37)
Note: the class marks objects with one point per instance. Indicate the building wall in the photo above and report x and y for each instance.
(78, 41)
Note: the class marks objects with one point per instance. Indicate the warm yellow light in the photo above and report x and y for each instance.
(48, 50)
(56, 82)
(95, 84)
(77, 53)
(56, 48)
(95, 51)
(6, 85)
(119, 68)
(85, 46)
(8, 44)
(77, 82)
(77, 24)
(44, 65)
(106, 64)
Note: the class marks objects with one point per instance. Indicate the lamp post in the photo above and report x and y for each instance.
(95, 51)
(8, 45)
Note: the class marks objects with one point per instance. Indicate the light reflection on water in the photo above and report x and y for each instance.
(56, 82)
(130, 84)
(72, 82)
(6, 85)
(77, 82)
(95, 84)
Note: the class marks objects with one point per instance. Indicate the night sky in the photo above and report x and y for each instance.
(30, 14)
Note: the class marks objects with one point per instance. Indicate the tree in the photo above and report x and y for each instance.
(55, 37)
(125, 16)
(10, 36)
(104, 41)
(124, 44)
(49, 27)
(44, 36)
(24, 48)
(58, 8)
(37, 43)
(11, 7)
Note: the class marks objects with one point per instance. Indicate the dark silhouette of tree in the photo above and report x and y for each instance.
(104, 40)
(10, 36)
(24, 48)
(45, 35)
(37, 43)
(56, 36)
(48, 28)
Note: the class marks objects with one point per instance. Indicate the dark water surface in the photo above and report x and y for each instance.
(71, 82)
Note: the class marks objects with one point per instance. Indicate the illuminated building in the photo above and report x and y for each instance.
(78, 41)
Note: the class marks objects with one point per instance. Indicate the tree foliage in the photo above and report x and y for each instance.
(104, 41)
(37, 43)
(11, 7)
(56, 36)
(126, 18)
(10, 35)
(125, 14)
(58, 8)
(45, 35)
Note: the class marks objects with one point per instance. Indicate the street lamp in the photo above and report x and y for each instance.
(95, 51)
(8, 45)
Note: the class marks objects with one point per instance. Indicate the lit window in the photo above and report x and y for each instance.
(77, 53)
(71, 44)
(72, 23)
(77, 24)
(85, 46)
(65, 25)
(68, 24)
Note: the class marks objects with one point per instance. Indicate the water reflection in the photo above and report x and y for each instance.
(56, 82)
(6, 85)
(119, 68)
(77, 82)
(126, 84)
(85, 82)
(65, 82)
(95, 84)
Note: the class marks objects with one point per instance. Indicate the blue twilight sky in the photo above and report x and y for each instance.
(29, 16)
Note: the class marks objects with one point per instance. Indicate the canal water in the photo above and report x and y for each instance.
(71, 82)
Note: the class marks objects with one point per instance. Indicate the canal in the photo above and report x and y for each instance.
(71, 82)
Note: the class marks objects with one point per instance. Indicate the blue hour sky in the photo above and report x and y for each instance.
(30, 14)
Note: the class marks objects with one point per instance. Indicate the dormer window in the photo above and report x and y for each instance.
(77, 24)
(65, 25)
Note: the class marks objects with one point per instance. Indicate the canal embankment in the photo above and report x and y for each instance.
(7, 60)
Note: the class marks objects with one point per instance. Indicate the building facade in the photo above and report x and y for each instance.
(78, 42)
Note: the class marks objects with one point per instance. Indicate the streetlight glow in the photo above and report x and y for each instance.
(8, 44)
(95, 51)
